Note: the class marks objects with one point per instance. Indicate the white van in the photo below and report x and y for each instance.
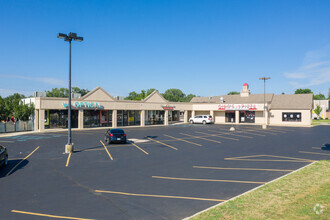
(202, 119)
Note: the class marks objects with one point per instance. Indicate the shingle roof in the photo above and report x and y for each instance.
(296, 101)
(234, 99)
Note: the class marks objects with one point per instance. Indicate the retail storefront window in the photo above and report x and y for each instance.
(128, 117)
(154, 117)
(91, 118)
(291, 116)
(230, 116)
(173, 115)
(247, 116)
(59, 119)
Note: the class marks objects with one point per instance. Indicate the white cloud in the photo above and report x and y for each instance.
(314, 71)
(47, 80)
(8, 92)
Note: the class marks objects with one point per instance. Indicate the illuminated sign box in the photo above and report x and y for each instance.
(168, 107)
(249, 107)
(83, 105)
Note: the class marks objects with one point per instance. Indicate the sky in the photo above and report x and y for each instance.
(203, 47)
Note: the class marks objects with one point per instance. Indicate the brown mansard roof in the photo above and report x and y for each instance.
(234, 99)
(289, 102)
(292, 102)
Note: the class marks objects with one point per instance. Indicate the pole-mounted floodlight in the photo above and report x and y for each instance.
(71, 36)
(265, 108)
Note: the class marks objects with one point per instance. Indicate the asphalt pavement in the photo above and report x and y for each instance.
(164, 172)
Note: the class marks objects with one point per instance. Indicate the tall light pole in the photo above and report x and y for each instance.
(71, 36)
(265, 108)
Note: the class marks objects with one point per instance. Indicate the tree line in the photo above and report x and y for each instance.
(172, 95)
(12, 108)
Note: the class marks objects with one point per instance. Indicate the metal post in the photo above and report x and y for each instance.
(265, 109)
(69, 109)
(71, 36)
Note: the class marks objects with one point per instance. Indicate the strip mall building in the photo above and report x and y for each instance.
(100, 109)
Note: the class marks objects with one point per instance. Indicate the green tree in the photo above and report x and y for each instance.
(188, 98)
(149, 91)
(174, 95)
(64, 92)
(319, 97)
(3, 115)
(303, 91)
(13, 106)
(233, 93)
(81, 91)
(139, 96)
(58, 92)
(318, 110)
(23, 112)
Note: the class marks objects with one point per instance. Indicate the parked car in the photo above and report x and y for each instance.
(203, 119)
(115, 135)
(3, 156)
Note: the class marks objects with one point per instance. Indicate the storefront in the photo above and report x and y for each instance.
(99, 109)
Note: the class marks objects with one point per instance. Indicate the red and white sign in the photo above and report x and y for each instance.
(168, 107)
(250, 107)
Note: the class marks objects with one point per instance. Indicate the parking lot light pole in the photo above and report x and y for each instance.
(265, 108)
(71, 36)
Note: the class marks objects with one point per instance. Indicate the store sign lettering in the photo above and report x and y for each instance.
(237, 107)
(83, 105)
(168, 107)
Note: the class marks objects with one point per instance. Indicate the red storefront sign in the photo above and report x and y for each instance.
(250, 107)
(168, 107)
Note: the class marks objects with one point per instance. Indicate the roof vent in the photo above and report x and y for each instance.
(39, 94)
(222, 100)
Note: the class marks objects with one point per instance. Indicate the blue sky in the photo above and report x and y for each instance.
(205, 47)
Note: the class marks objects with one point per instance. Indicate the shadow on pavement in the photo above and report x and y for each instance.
(11, 164)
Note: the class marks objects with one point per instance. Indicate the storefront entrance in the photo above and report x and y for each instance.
(247, 116)
(59, 119)
(230, 116)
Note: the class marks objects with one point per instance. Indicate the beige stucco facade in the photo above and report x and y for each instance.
(100, 100)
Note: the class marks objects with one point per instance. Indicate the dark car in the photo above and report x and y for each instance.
(3, 156)
(115, 135)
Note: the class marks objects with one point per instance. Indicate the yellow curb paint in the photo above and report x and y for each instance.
(140, 149)
(68, 160)
(22, 161)
(46, 215)
(179, 139)
(225, 168)
(106, 150)
(216, 135)
(160, 196)
(206, 180)
(202, 138)
(163, 144)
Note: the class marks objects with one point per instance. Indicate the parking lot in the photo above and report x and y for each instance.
(163, 172)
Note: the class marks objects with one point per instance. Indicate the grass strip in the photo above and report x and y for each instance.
(304, 194)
